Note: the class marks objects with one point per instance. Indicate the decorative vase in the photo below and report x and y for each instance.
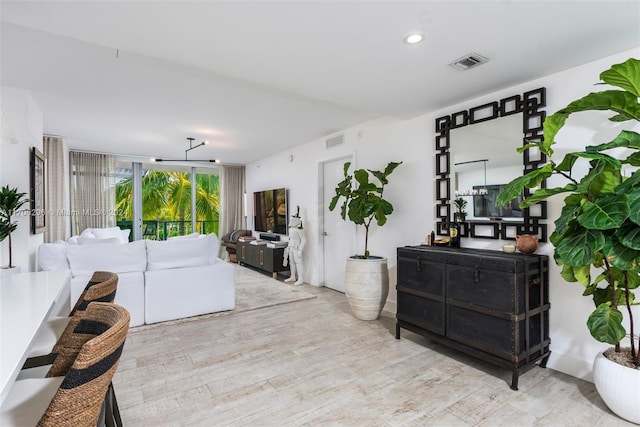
(618, 386)
(527, 244)
(366, 285)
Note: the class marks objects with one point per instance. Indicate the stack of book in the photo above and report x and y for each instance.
(246, 239)
(258, 242)
(277, 244)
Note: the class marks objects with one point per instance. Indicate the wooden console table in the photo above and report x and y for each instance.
(488, 304)
(262, 257)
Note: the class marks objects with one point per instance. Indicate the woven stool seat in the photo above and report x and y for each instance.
(75, 400)
(101, 288)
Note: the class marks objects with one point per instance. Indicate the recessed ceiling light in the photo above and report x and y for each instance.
(413, 38)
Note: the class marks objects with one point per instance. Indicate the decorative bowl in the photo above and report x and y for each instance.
(508, 248)
(442, 242)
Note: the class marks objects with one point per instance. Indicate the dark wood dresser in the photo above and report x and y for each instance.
(488, 304)
(262, 257)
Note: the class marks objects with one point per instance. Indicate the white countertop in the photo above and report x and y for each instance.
(26, 300)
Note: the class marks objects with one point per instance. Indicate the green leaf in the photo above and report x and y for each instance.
(567, 162)
(633, 159)
(532, 144)
(544, 193)
(572, 205)
(391, 167)
(568, 274)
(603, 177)
(361, 176)
(605, 324)
(601, 296)
(607, 211)
(619, 255)
(334, 202)
(634, 205)
(529, 180)
(625, 76)
(626, 138)
(578, 246)
(614, 100)
(580, 274)
(629, 235)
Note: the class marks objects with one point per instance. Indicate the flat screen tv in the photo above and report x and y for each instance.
(484, 205)
(270, 211)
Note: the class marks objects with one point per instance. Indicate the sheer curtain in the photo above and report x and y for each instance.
(57, 219)
(232, 189)
(93, 190)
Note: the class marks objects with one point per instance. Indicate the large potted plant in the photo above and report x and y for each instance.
(366, 276)
(10, 201)
(597, 236)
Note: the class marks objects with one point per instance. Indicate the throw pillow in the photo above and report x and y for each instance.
(90, 241)
(108, 233)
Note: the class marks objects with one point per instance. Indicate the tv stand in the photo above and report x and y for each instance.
(261, 257)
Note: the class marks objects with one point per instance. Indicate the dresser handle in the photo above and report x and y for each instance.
(476, 275)
(418, 264)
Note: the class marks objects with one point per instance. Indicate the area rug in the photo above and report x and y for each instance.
(254, 291)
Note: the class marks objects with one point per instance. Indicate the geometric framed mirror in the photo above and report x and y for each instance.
(476, 155)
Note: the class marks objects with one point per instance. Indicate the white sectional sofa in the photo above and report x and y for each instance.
(158, 280)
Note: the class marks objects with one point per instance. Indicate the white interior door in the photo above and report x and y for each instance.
(338, 235)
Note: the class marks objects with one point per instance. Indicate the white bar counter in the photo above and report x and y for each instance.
(26, 300)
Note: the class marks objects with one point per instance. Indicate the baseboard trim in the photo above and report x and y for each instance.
(571, 365)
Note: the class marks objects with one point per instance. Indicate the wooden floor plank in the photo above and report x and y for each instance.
(311, 363)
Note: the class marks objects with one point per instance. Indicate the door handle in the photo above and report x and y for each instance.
(324, 233)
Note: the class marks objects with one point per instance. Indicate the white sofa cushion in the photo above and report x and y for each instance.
(178, 253)
(214, 244)
(88, 232)
(185, 292)
(188, 236)
(117, 258)
(53, 256)
(129, 294)
(111, 232)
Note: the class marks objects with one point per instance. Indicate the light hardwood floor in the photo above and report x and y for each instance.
(311, 363)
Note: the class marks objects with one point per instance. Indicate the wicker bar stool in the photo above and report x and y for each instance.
(75, 400)
(102, 288)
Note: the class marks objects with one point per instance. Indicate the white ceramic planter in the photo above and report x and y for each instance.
(6, 272)
(619, 387)
(366, 285)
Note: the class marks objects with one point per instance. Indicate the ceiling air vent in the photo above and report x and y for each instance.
(336, 140)
(468, 61)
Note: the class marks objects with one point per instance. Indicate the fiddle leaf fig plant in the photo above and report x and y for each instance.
(10, 201)
(599, 226)
(363, 198)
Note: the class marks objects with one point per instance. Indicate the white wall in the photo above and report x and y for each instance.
(411, 191)
(25, 118)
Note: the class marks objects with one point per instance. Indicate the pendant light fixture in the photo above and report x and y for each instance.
(476, 191)
(186, 159)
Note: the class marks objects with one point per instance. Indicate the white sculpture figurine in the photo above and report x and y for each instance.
(293, 251)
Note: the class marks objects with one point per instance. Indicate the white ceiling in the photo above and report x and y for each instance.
(257, 77)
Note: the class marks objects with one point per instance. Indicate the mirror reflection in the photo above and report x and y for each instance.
(483, 160)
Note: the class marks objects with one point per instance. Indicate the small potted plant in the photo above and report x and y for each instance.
(461, 208)
(367, 277)
(10, 201)
(598, 230)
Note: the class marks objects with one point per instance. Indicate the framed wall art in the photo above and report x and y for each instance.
(38, 210)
